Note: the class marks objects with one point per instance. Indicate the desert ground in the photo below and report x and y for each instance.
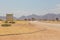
(31, 30)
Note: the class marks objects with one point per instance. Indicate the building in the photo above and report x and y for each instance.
(9, 17)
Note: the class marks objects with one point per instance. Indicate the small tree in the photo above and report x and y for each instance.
(57, 19)
(25, 19)
(29, 19)
(33, 19)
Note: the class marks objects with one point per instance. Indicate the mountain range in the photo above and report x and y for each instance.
(49, 16)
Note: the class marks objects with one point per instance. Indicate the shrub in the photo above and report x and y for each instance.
(5, 25)
(1, 20)
(6, 21)
(12, 22)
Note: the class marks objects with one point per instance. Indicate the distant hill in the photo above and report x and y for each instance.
(49, 16)
(29, 17)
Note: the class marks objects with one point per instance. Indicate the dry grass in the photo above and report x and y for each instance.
(19, 27)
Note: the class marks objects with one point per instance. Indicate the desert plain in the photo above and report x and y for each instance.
(31, 30)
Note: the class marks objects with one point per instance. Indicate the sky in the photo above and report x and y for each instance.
(28, 7)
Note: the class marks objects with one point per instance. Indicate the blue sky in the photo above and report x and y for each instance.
(28, 7)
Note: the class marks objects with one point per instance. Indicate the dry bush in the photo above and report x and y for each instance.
(6, 25)
(12, 22)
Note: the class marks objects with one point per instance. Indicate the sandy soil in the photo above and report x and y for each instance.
(40, 31)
